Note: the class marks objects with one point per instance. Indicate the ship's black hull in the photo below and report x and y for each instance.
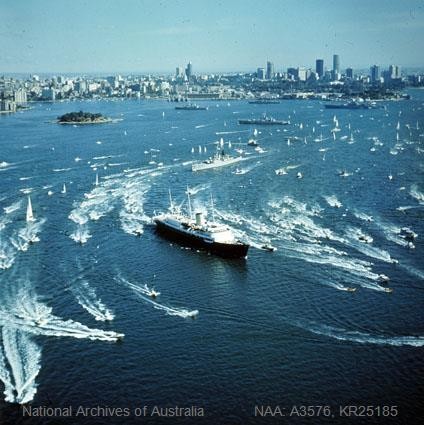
(226, 250)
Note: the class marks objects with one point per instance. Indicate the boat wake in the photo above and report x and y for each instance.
(417, 194)
(22, 316)
(365, 338)
(19, 365)
(143, 293)
(125, 191)
(89, 301)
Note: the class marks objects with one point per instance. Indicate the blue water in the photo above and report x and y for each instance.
(275, 329)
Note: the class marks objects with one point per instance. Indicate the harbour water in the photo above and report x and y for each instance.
(279, 328)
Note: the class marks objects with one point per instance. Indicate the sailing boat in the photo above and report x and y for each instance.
(63, 189)
(97, 180)
(29, 213)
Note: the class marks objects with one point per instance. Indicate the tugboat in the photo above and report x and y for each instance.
(199, 233)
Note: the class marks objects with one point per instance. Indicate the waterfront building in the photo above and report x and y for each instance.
(269, 70)
(20, 96)
(7, 106)
(319, 67)
(48, 94)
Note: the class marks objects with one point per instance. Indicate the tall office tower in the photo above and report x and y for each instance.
(349, 73)
(269, 70)
(178, 72)
(336, 64)
(375, 73)
(261, 73)
(189, 71)
(394, 71)
(319, 67)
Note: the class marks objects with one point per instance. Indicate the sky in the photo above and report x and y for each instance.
(216, 36)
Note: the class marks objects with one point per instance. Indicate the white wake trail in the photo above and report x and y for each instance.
(88, 299)
(172, 311)
(23, 356)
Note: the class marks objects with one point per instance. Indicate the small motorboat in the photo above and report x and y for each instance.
(382, 278)
(154, 293)
(350, 289)
(269, 248)
(193, 314)
(365, 238)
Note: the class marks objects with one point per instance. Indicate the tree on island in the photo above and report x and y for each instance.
(80, 117)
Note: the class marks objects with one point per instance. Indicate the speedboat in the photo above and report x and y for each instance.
(350, 289)
(382, 278)
(269, 248)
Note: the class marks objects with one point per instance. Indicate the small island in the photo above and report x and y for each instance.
(82, 118)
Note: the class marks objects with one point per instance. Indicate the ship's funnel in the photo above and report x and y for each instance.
(199, 219)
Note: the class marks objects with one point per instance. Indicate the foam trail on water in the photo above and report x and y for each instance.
(81, 234)
(7, 256)
(412, 270)
(55, 326)
(362, 216)
(88, 299)
(6, 378)
(391, 232)
(23, 356)
(172, 311)
(13, 207)
(417, 194)
(365, 338)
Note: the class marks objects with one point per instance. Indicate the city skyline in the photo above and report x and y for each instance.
(137, 36)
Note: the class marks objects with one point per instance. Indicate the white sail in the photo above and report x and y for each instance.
(398, 126)
(255, 132)
(97, 180)
(301, 126)
(221, 142)
(29, 213)
(64, 188)
(204, 149)
(200, 149)
(229, 144)
(192, 150)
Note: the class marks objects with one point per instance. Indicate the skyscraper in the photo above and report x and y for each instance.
(394, 71)
(189, 71)
(319, 67)
(349, 73)
(336, 64)
(269, 70)
(375, 73)
(261, 73)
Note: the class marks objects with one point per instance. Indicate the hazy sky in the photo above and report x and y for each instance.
(228, 35)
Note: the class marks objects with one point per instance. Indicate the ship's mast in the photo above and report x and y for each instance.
(171, 205)
(212, 209)
(189, 203)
